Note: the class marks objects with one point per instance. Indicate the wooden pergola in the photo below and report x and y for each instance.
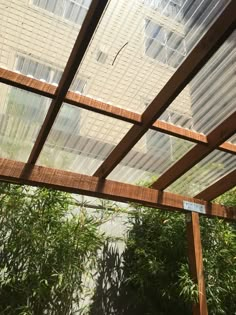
(156, 196)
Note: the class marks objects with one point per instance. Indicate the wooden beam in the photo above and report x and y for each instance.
(221, 133)
(26, 83)
(228, 147)
(22, 173)
(197, 58)
(102, 108)
(196, 261)
(86, 32)
(176, 131)
(220, 187)
(44, 89)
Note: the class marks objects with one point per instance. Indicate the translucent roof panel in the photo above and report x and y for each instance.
(232, 139)
(205, 173)
(150, 157)
(212, 93)
(40, 31)
(21, 116)
(137, 47)
(81, 140)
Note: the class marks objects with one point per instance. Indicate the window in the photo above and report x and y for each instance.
(23, 102)
(45, 73)
(26, 105)
(101, 56)
(38, 70)
(71, 10)
(163, 45)
(170, 8)
(79, 85)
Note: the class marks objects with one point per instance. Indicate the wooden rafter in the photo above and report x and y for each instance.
(22, 173)
(86, 32)
(216, 137)
(198, 57)
(220, 187)
(48, 90)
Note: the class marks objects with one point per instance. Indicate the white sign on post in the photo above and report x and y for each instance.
(196, 207)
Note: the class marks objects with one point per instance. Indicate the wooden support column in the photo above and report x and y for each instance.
(196, 261)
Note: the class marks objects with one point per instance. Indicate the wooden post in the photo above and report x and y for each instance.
(195, 261)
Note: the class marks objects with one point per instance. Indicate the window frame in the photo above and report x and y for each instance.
(167, 48)
(164, 9)
(61, 16)
(29, 114)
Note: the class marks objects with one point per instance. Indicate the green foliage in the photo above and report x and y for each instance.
(228, 199)
(45, 250)
(156, 263)
(219, 254)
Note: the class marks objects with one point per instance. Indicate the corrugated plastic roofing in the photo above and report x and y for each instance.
(137, 46)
